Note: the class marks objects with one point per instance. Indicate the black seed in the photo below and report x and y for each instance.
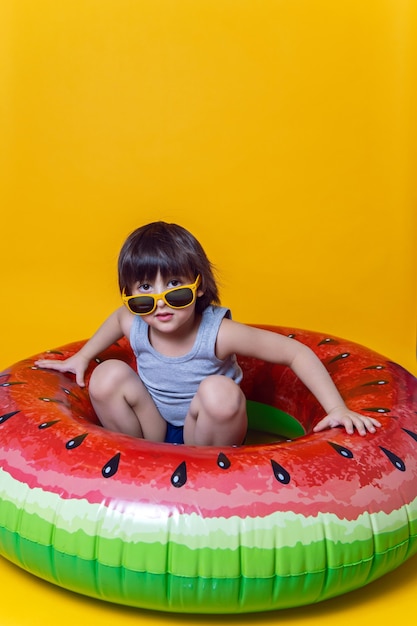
(7, 416)
(111, 467)
(376, 409)
(77, 441)
(68, 392)
(11, 384)
(47, 424)
(374, 367)
(223, 461)
(280, 473)
(345, 452)
(327, 341)
(395, 460)
(339, 357)
(411, 433)
(375, 383)
(179, 477)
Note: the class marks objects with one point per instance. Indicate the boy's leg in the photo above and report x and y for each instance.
(122, 402)
(217, 414)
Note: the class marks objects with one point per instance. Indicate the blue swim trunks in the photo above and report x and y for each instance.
(174, 434)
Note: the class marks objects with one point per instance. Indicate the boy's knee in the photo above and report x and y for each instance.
(221, 397)
(106, 377)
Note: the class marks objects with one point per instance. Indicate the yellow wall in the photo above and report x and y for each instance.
(281, 132)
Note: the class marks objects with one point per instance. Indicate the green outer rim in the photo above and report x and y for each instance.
(167, 592)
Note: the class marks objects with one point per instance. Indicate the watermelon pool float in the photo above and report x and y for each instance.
(289, 519)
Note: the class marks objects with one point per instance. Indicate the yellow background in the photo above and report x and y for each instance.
(280, 132)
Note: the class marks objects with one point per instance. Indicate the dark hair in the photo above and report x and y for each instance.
(171, 250)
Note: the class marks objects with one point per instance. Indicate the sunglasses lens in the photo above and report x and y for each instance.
(180, 297)
(141, 304)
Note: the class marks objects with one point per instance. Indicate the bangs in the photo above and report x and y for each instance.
(147, 266)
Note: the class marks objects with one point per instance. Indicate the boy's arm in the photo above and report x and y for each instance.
(275, 348)
(315, 376)
(114, 327)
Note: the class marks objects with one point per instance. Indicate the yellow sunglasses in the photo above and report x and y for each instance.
(176, 298)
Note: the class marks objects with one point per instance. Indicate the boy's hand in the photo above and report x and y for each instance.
(342, 416)
(76, 364)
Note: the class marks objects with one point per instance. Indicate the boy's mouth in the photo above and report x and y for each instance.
(164, 315)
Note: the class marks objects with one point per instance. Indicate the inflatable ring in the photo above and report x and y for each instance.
(264, 526)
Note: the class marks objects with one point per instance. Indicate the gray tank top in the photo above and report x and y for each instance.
(173, 381)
